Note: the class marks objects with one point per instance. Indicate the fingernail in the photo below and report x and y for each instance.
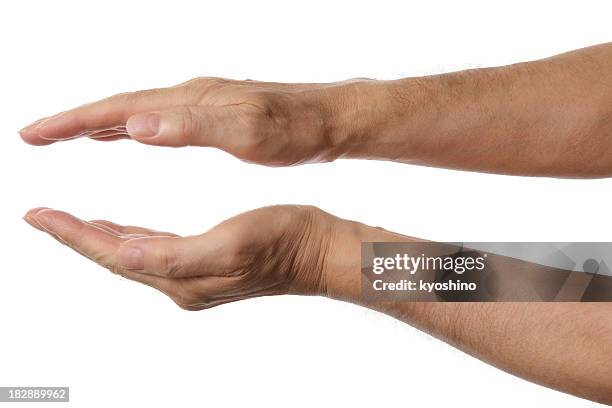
(143, 125)
(130, 257)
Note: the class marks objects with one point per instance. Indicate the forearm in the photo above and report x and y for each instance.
(560, 345)
(549, 117)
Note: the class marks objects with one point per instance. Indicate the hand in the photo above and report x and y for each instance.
(269, 251)
(267, 123)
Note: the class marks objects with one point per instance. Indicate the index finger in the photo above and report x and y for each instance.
(92, 242)
(85, 238)
(98, 116)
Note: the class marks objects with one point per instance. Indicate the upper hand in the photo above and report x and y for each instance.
(267, 123)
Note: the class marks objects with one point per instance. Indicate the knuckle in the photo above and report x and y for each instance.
(131, 97)
(187, 121)
(264, 125)
(168, 263)
(196, 88)
(192, 81)
(186, 125)
(204, 80)
(212, 81)
(271, 105)
(144, 94)
(120, 97)
(114, 268)
(262, 100)
(234, 255)
(253, 134)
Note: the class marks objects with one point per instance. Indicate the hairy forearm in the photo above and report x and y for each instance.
(303, 250)
(561, 345)
(551, 117)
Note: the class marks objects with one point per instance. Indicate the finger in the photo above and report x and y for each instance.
(115, 232)
(106, 113)
(91, 241)
(100, 243)
(130, 229)
(186, 291)
(85, 238)
(116, 130)
(216, 126)
(110, 138)
(29, 217)
(166, 286)
(222, 251)
(176, 257)
(30, 136)
(107, 131)
(110, 135)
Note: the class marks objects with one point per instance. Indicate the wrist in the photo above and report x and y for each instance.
(341, 273)
(377, 119)
(326, 257)
(354, 111)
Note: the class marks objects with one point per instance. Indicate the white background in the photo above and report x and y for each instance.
(64, 321)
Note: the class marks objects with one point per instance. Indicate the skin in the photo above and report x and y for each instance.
(547, 118)
(303, 250)
(551, 117)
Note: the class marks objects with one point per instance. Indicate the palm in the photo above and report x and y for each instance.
(268, 251)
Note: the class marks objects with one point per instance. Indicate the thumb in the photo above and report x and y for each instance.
(170, 257)
(181, 126)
